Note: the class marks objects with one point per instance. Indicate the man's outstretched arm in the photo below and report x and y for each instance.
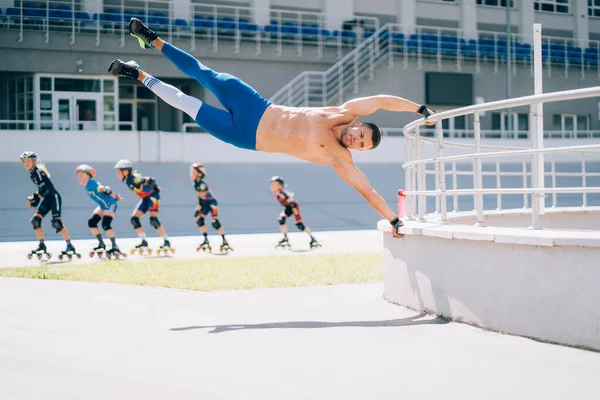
(352, 176)
(368, 105)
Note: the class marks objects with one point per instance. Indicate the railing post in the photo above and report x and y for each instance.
(583, 179)
(99, 11)
(215, 31)
(421, 180)
(48, 21)
(524, 170)
(478, 180)
(498, 185)
(553, 174)
(408, 175)
(441, 170)
(72, 22)
(21, 25)
(454, 186)
(122, 24)
(306, 90)
(372, 60)
(539, 115)
(355, 71)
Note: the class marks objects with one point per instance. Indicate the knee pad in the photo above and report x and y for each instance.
(106, 221)
(135, 221)
(154, 222)
(216, 224)
(57, 224)
(93, 221)
(281, 220)
(36, 222)
(300, 226)
(200, 222)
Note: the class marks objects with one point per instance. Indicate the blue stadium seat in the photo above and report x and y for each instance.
(368, 33)
(13, 12)
(180, 23)
(429, 43)
(289, 29)
(226, 26)
(468, 49)
(209, 22)
(142, 16)
(398, 38)
(128, 14)
(247, 28)
(449, 48)
(326, 33)
(574, 55)
(413, 43)
(523, 52)
(82, 17)
(591, 56)
(310, 32)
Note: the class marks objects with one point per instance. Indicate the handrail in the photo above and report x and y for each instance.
(416, 170)
(508, 103)
(568, 149)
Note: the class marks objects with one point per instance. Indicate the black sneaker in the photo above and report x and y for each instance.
(129, 69)
(142, 33)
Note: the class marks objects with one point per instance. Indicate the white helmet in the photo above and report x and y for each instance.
(200, 168)
(123, 164)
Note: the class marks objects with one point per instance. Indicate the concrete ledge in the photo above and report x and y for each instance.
(541, 284)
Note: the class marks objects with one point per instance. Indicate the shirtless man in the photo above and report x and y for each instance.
(321, 135)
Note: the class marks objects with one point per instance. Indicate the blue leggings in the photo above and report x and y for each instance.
(245, 106)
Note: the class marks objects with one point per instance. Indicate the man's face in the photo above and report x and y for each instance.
(357, 137)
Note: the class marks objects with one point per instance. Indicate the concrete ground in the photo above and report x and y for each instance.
(74, 340)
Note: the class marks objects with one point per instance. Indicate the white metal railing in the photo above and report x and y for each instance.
(72, 124)
(216, 24)
(497, 134)
(447, 48)
(533, 181)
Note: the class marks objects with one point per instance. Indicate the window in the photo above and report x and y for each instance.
(520, 124)
(496, 3)
(137, 107)
(558, 6)
(571, 125)
(594, 8)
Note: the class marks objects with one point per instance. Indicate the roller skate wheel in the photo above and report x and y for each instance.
(91, 254)
(117, 256)
(172, 251)
(132, 251)
(78, 256)
(29, 256)
(60, 257)
(100, 254)
(48, 256)
(197, 249)
(39, 256)
(70, 257)
(108, 255)
(149, 251)
(141, 251)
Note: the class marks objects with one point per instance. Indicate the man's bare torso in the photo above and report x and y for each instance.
(305, 133)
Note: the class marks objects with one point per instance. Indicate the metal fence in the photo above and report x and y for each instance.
(533, 188)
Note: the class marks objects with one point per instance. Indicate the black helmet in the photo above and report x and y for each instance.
(28, 154)
(278, 179)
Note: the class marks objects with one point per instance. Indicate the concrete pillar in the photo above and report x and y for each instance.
(336, 12)
(262, 11)
(526, 19)
(468, 20)
(582, 23)
(91, 6)
(182, 9)
(406, 15)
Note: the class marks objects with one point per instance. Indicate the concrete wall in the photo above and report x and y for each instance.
(72, 146)
(267, 72)
(547, 293)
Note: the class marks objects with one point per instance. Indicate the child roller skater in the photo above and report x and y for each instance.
(146, 189)
(207, 204)
(46, 199)
(105, 212)
(290, 207)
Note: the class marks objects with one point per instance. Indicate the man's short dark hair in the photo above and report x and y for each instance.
(376, 134)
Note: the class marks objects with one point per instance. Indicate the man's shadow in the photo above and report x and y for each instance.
(409, 321)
